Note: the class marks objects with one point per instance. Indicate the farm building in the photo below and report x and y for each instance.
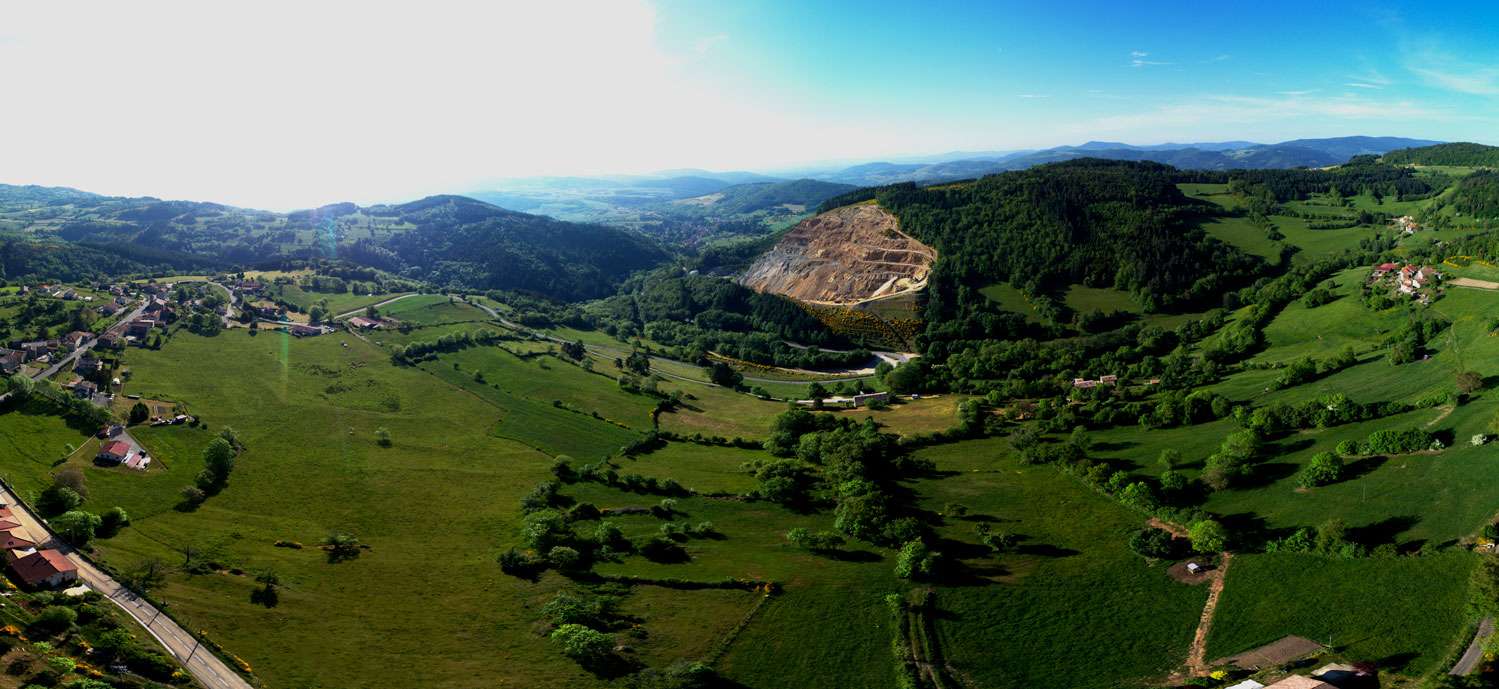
(85, 389)
(12, 539)
(1300, 682)
(46, 568)
(113, 452)
(364, 323)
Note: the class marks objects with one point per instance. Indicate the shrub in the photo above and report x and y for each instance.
(1156, 543)
(917, 561)
(1207, 536)
(583, 644)
(1324, 468)
(563, 557)
(76, 527)
(54, 619)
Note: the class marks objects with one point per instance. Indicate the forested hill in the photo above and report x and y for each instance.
(1461, 154)
(450, 240)
(759, 196)
(1102, 223)
(459, 241)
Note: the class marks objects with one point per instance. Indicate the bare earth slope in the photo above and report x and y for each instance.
(844, 256)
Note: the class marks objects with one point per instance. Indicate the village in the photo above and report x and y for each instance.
(1420, 282)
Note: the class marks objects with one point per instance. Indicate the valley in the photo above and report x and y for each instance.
(504, 457)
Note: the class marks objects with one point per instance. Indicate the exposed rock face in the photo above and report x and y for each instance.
(844, 256)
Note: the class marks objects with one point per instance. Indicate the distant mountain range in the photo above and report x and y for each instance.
(1220, 155)
(622, 198)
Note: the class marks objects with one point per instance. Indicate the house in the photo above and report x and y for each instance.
(86, 364)
(1108, 380)
(139, 328)
(1193, 568)
(1084, 383)
(139, 461)
(11, 360)
(864, 399)
(42, 568)
(364, 323)
(1300, 682)
(34, 348)
(76, 339)
(85, 390)
(113, 452)
(306, 331)
(108, 310)
(12, 539)
(111, 431)
(1384, 269)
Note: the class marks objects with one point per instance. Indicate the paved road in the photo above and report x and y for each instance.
(1471, 657)
(69, 359)
(202, 664)
(361, 309)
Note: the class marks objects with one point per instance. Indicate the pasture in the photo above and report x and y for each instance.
(1405, 614)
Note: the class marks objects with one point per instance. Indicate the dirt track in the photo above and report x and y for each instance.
(1470, 282)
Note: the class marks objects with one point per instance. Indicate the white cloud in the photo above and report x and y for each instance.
(1220, 113)
(1483, 81)
(1138, 53)
(1297, 93)
(1362, 85)
(1035, 95)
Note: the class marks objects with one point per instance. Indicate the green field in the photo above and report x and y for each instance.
(430, 309)
(443, 493)
(338, 302)
(1118, 618)
(1403, 613)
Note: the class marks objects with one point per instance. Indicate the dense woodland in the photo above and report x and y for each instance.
(696, 314)
(1456, 154)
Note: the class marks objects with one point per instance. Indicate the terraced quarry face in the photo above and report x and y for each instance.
(845, 256)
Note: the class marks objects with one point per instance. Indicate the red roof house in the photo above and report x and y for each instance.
(42, 568)
(11, 539)
(113, 452)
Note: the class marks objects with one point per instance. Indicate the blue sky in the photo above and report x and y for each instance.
(284, 103)
(1024, 74)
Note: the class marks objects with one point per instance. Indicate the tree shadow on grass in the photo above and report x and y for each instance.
(1397, 662)
(612, 666)
(1045, 550)
(1265, 474)
(1250, 530)
(851, 555)
(1114, 446)
(1383, 531)
(1363, 467)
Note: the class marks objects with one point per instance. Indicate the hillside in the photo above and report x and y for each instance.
(445, 239)
(796, 196)
(844, 256)
(1455, 154)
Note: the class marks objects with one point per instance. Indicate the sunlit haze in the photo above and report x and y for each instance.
(292, 104)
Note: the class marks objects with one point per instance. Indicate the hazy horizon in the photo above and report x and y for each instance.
(280, 105)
